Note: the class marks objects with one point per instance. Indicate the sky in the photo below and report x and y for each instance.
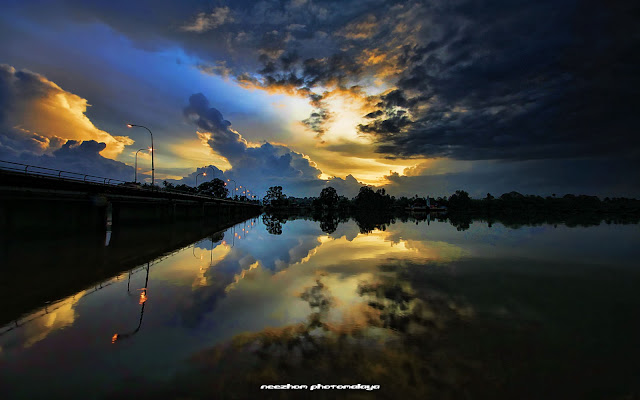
(418, 97)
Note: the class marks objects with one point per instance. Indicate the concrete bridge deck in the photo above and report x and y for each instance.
(33, 201)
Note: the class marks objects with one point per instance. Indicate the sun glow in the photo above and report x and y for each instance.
(198, 153)
(346, 113)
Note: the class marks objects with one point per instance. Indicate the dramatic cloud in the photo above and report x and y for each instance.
(362, 29)
(514, 81)
(38, 117)
(267, 160)
(448, 79)
(256, 166)
(505, 81)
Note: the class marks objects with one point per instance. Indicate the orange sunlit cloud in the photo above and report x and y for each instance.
(58, 115)
(196, 153)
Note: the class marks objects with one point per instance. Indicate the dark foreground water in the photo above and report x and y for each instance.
(421, 310)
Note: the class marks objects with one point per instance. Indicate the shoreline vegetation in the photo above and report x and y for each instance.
(375, 209)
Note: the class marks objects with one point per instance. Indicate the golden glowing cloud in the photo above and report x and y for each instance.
(43, 109)
(198, 153)
(380, 244)
(189, 266)
(340, 149)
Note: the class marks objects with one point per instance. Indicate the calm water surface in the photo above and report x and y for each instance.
(423, 310)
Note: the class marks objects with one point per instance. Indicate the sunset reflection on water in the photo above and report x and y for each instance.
(418, 309)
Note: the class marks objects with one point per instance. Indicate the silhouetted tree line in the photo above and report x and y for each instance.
(375, 209)
(213, 188)
(515, 209)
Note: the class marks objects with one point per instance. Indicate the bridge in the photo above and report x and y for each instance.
(38, 198)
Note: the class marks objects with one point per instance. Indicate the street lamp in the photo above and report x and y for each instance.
(245, 192)
(201, 173)
(135, 176)
(152, 165)
(212, 170)
(234, 185)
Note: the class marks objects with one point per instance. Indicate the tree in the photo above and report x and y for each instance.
(329, 198)
(273, 224)
(275, 198)
(460, 200)
(329, 223)
(168, 185)
(215, 188)
(367, 199)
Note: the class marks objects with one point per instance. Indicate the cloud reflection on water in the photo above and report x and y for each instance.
(422, 310)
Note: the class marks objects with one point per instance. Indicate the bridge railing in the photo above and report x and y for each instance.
(57, 173)
(34, 170)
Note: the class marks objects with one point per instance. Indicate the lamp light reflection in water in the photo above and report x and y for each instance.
(142, 301)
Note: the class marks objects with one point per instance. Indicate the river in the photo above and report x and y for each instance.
(415, 309)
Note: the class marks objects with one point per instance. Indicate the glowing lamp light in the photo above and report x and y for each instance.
(129, 126)
(143, 295)
(114, 338)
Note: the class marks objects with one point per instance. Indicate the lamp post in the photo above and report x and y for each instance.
(212, 170)
(152, 150)
(135, 176)
(234, 185)
(201, 173)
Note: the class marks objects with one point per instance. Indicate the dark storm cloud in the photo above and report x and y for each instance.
(468, 79)
(515, 80)
(499, 80)
(283, 45)
(319, 116)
